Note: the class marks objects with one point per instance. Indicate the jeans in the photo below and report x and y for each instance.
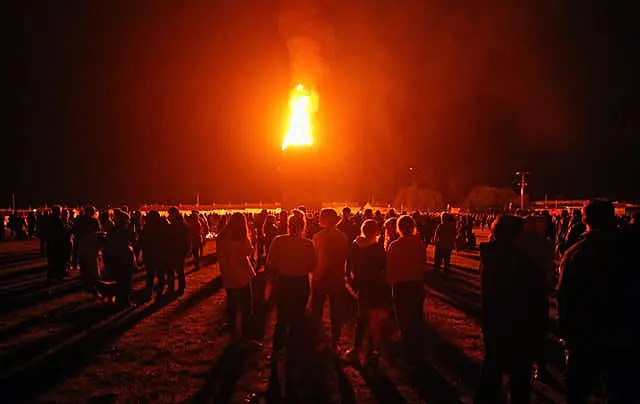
(239, 300)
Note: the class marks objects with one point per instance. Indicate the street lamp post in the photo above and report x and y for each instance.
(523, 184)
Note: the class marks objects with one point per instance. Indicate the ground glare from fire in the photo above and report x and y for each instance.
(57, 344)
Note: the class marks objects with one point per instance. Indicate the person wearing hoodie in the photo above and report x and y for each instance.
(366, 268)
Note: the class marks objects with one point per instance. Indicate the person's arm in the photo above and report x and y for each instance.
(272, 258)
(566, 287)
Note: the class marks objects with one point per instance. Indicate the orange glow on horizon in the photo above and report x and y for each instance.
(302, 105)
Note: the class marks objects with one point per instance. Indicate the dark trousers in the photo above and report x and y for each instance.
(153, 269)
(195, 251)
(239, 300)
(408, 299)
(335, 299)
(519, 372)
(588, 363)
(442, 255)
(292, 295)
(362, 324)
(176, 269)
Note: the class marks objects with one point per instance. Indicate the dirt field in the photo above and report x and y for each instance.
(58, 344)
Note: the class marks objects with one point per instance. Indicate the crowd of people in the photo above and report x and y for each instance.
(314, 258)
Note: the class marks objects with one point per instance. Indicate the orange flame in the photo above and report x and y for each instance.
(302, 104)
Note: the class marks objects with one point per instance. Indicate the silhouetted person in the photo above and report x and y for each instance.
(58, 244)
(406, 262)
(153, 243)
(32, 224)
(119, 260)
(444, 241)
(575, 231)
(234, 249)
(332, 248)
(598, 310)
(195, 236)
(290, 260)
(177, 249)
(86, 239)
(367, 269)
(348, 226)
(514, 312)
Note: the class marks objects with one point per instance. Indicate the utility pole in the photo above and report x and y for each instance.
(523, 184)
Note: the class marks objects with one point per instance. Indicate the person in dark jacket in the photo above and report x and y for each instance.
(86, 241)
(598, 310)
(514, 312)
(119, 259)
(366, 267)
(177, 249)
(58, 245)
(153, 244)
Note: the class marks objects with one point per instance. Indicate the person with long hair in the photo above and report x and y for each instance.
(291, 259)
(366, 267)
(234, 251)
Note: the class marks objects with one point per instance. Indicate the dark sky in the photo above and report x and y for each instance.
(134, 101)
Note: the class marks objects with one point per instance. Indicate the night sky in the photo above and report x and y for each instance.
(136, 101)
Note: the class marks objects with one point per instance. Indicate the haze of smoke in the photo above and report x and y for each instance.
(307, 36)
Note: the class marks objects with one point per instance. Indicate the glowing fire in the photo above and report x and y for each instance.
(302, 104)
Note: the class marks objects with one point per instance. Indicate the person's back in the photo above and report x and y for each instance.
(331, 249)
(291, 255)
(406, 260)
(594, 288)
(235, 267)
(514, 295)
(367, 260)
(598, 309)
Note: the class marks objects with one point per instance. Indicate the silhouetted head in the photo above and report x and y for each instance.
(89, 211)
(296, 224)
(237, 229)
(369, 229)
(328, 218)
(120, 218)
(507, 228)
(599, 215)
(406, 226)
(56, 211)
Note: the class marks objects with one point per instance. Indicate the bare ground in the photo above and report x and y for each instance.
(58, 344)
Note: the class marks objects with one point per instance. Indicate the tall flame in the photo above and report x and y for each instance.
(302, 104)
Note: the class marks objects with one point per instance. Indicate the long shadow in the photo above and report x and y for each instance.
(470, 304)
(306, 377)
(17, 258)
(432, 386)
(17, 274)
(9, 333)
(208, 290)
(450, 356)
(221, 382)
(23, 285)
(262, 306)
(71, 356)
(70, 324)
(51, 292)
(383, 388)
